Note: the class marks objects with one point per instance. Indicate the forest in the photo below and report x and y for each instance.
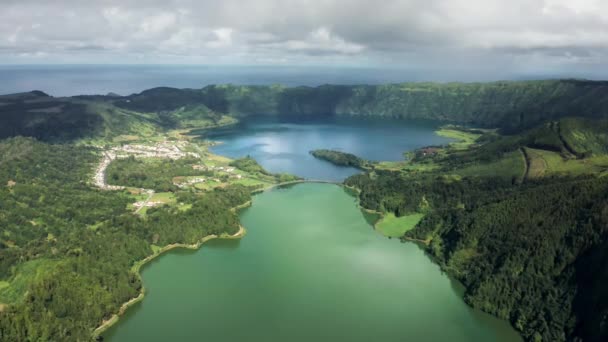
(511, 106)
(531, 251)
(520, 216)
(58, 280)
(340, 158)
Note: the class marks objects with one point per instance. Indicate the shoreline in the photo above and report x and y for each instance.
(278, 185)
(106, 324)
(136, 268)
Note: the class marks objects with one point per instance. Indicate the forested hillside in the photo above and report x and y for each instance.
(518, 214)
(528, 248)
(509, 105)
(66, 249)
(68, 119)
(512, 106)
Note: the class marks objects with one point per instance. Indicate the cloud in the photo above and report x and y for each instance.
(440, 33)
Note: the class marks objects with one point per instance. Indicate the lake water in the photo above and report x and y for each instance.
(309, 269)
(284, 146)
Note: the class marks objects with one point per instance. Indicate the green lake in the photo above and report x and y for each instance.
(309, 269)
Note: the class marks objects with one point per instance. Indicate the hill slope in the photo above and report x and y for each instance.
(512, 106)
(509, 105)
(529, 246)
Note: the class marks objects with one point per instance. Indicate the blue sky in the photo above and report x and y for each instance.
(518, 37)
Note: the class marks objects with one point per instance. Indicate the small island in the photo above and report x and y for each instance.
(342, 159)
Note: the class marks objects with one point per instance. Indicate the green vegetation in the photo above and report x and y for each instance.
(251, 166)
(151, 173)
(341, 158)
(520, 220)
(512, 165)
(393, 226)
(57, 277)
(463, 137)
(519, 217)
(96, 119)
(511, 106)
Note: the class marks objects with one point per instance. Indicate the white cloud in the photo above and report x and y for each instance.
(322, 41)
(158, 23)
(223, 38)
(410, 32)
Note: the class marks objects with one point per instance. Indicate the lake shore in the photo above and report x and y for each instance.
(106, 324)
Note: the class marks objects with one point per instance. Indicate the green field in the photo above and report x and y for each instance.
(511, 165)
(558, 165)
(393, 226)
(463, 139)
(163, 197)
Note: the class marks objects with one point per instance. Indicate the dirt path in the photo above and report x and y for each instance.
(524, 155)
(568, 148)
(145, 202)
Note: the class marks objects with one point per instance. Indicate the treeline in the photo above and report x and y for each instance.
(251, 166)
(531, 253)
(340, 158)
(66, 249)
(509, 105)
(512, 106)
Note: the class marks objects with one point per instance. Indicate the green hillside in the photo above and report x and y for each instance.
(512, 106)
(521, 220)
(509, 105)
(47, 118)
(517, 213)
(67, 249)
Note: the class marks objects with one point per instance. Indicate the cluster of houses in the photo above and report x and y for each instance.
(171, 150)
(148, 204)
(189, 182)
(164, 149)
(99, 178)
(429, 151)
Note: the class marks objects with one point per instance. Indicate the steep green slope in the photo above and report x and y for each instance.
(529, 250)
(38, 115)
(510, 105)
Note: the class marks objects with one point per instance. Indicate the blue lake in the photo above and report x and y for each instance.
(284, 145)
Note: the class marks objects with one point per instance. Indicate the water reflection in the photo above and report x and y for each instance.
(285, 147)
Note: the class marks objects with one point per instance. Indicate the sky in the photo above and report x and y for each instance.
(504, 37)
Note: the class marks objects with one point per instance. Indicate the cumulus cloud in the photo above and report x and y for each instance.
(552, 33)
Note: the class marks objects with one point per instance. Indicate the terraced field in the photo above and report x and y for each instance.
(548, 163)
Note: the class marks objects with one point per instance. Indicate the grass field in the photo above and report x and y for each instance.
(557, 165)
(406, 166)
(511, 165)
(163, 197)
(393, 226)
(247, 181)
(462, 138)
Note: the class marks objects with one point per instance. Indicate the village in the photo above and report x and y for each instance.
(164, 149)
